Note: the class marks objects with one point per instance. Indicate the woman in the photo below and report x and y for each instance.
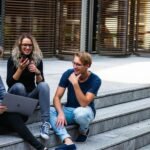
(25, 76)
(15, 122)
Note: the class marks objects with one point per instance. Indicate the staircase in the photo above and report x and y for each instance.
(122, 122)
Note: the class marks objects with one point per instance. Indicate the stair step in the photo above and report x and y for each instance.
(147, 147)
(125, 138)
(120, 115)
(106, 119)
(108, 99)
(123, 96)
(13, 142)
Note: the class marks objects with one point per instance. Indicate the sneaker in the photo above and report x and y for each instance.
(45, 148)
(82, 137)
(44, 131)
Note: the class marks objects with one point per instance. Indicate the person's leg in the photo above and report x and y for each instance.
(2, 89)
(42, 92)
(83, 117)
(3, 125)
(15, 122)
(18, 89)
(61, 132)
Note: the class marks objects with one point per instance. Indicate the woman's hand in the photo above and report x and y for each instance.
(2, 109)
(32, 67)
(23, 63)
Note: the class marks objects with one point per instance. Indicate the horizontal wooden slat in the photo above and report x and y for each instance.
(69, 29)
(35, 16)
(143, 26)
(112, 26)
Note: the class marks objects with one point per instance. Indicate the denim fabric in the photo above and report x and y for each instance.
(82, 116)
(2, 89)
(91, 85)
(41, 92)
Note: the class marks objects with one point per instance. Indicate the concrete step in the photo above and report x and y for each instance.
(106, 119)
(13, 142)
(108, 99)
(147, 147)
(121, 115)
(130, 137)
(121, 96)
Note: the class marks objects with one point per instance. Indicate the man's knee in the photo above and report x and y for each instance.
(82, 115)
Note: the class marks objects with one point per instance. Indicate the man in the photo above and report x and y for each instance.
(82, 86)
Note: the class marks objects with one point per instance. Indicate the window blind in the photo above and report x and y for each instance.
(112, 26)
(142, 34)
(69, 26)
(35, 16)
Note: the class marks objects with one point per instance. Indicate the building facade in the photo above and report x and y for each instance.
(63, 27)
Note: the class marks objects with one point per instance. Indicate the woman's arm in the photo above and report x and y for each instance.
(39, 72)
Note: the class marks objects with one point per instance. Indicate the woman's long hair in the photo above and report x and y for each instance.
(36, 54)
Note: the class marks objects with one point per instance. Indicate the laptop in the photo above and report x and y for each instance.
(19, 104)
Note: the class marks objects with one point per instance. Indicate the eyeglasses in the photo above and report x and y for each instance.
(77, 64)
(27, 45)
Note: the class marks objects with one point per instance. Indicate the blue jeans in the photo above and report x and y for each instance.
(41, 92)
(82, 116)
(2, 89)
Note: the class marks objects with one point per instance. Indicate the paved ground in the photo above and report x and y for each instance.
(117, 73)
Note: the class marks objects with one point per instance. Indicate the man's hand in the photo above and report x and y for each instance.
(74, 78)
(61, 120)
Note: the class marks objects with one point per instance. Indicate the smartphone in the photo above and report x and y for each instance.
(23, 57)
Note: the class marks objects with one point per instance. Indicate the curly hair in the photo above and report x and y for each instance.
(36, 51)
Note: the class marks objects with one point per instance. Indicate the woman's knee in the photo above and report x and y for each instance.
(18, 88)
(43, 86)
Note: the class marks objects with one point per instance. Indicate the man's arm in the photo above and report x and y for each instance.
(61, 121)
(83, 99)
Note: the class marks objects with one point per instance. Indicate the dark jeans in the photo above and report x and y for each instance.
(41, 92)
(15, 122)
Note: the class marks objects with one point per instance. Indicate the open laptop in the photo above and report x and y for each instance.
(19, 104)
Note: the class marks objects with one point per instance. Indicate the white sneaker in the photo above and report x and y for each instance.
(44, 131)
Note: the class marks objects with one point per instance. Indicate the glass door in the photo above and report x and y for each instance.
(112, 27)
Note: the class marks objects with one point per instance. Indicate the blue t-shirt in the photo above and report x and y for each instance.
(2, 89)
(92, 84)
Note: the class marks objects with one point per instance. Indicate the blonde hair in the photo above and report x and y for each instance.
(1, 51)
(84, 57)
(36, 51)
